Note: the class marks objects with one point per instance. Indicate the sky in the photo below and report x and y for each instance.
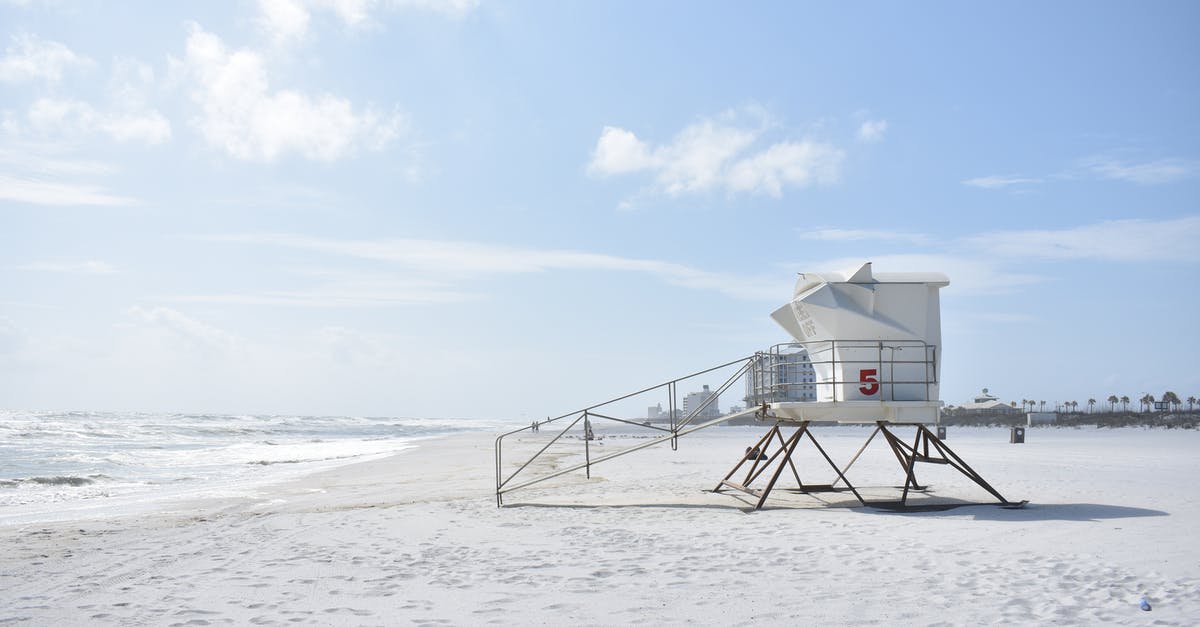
(473, 208)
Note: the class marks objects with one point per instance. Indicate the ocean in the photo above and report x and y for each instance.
(56, 465)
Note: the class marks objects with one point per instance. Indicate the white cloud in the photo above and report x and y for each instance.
(242, 115)
(357, 11)
(440, 265)
(348, 290)
(73, 117)
(710, 155)
(126, 117)
(789, 163)
(1156, 172)
(82, 267)
(289, 20)
(284, 20)
(849, 235)
(697, 159)
(619, 151)
(38, 173)
(1117, 240)
(30, 57)
(1149, 173)
(872, 130)
(185, 332)
(44, 159)
(39, 192)
(999, 182)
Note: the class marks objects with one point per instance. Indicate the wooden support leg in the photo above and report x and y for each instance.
(795, 473)
(842, 472)
(841, 475)
(910, 478)
(753, 475)
(790, 447)
(961, 466)
(899, 448)
(760, 446)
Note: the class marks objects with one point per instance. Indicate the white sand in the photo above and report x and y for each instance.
(417, 538)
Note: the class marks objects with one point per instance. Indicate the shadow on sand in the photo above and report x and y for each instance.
(1082, 512)
(624, 506)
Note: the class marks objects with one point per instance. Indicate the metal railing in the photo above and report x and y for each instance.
(684, 425)
(770, 381)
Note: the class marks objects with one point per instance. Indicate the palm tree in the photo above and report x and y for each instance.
(1074, 407)
(1043, 405)
(1024, 402)
(1124, 403)
(1091, 404)
(1146, 402)
(1112, 402)
(1171, 398)
(1191, 400)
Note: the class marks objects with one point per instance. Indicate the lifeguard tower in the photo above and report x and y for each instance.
(873, 341)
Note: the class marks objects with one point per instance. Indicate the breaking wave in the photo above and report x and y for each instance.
(51, 481)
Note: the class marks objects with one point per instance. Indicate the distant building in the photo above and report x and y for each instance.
(782, 377)
(987, 404)
(697, 399)
(656, 414)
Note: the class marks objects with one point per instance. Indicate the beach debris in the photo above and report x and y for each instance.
(1145, 605)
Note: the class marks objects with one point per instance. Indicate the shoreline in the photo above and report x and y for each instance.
(185, 494)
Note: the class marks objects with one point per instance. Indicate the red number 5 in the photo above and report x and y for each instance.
(868, 376)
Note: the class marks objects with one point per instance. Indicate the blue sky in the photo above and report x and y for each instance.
(474, 208)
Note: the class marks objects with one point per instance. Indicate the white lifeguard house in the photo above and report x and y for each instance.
(874, 342)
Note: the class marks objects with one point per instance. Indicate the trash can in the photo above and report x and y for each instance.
(941, 432)
(1017, 435)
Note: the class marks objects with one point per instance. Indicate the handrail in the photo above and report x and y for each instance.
(587, 413)
(644, 445)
